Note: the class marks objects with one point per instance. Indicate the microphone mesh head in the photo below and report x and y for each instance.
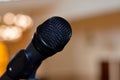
(54, 33)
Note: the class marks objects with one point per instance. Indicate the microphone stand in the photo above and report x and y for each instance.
(5, 77)
(32, 77)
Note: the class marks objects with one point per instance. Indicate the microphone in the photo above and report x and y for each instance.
(49, 38)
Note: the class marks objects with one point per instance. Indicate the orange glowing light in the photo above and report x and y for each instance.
(3, 58)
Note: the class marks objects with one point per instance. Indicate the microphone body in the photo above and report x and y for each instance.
(50, 38)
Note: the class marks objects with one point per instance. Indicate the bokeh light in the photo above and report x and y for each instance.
(8, 18)
(10, 33)
(12, 26)
(23, 21)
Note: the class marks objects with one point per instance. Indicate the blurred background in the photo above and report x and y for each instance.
(93, 53)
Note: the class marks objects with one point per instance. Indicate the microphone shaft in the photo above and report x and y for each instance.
(5, 77)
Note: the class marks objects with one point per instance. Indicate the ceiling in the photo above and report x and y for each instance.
(67, 8)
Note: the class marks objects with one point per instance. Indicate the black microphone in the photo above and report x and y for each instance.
(49, 38)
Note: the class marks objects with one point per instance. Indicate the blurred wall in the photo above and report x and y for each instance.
(95, 37)
(94, 40)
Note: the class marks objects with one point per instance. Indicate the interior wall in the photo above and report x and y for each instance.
(95, 39)
(89, 46)
(95, 25)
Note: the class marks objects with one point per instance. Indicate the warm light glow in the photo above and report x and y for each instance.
(10, 33)
(3, 58)
(9, 18)
(23, 21)
(12, 26)
(2, 28)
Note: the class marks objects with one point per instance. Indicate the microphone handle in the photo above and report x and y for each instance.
(5, 77)
(32, 79)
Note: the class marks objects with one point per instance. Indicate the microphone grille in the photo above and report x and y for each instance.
(55, 32)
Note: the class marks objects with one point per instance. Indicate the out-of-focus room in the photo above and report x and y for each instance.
(93, 52)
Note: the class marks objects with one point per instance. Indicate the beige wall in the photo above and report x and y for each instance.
(94, 39)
